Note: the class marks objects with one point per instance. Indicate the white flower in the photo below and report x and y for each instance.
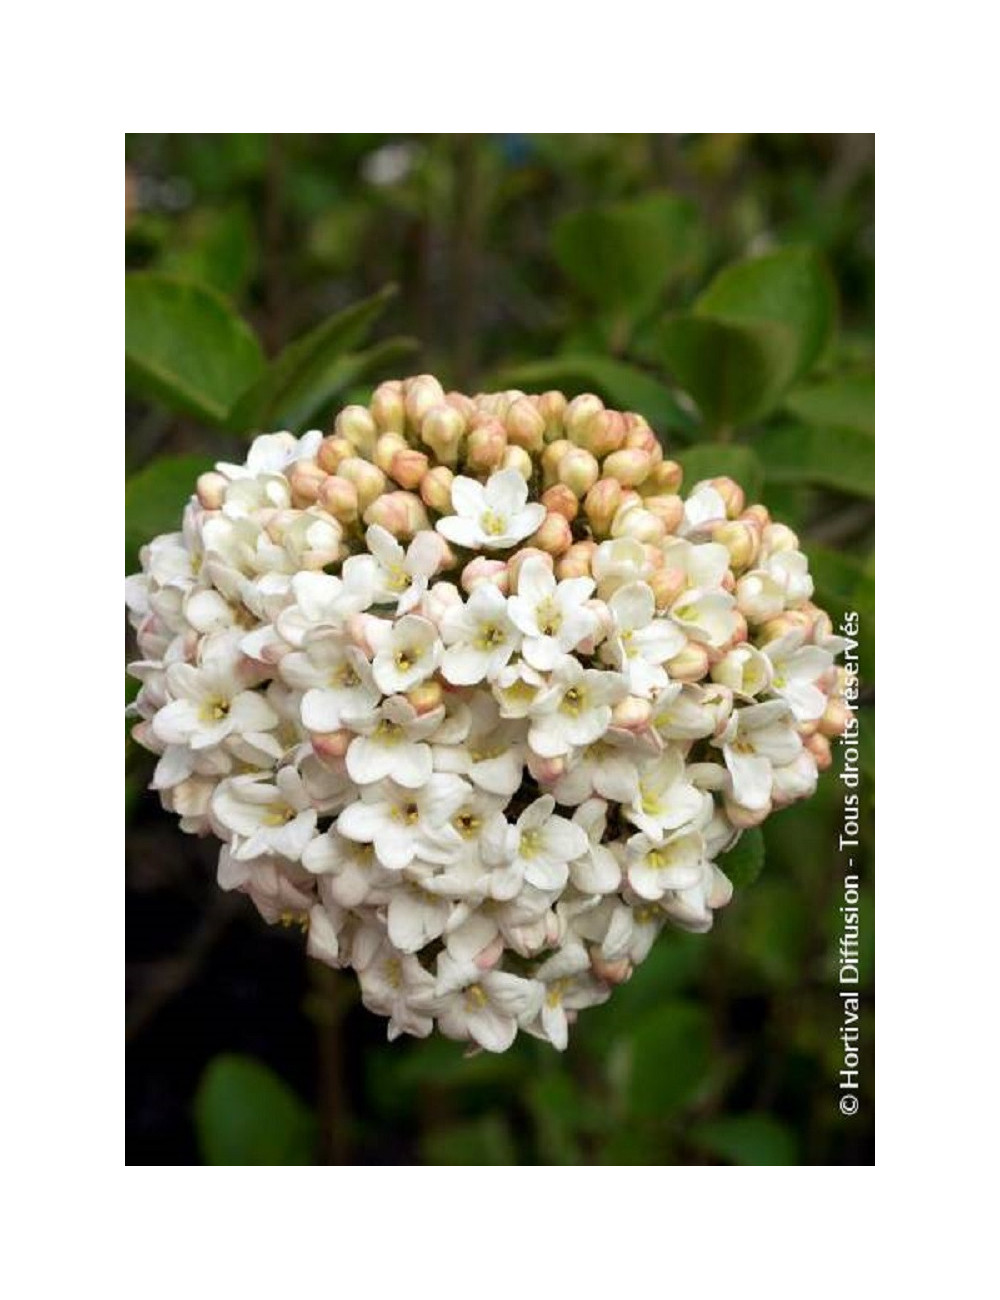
(703, 509)
(641, 642)
(756, 740)
(265, 817)
(486, 1007)
(392, 742)
(796, 669)
(546, 844)
(708, 616)
(617, 562)
(336, 678)
(208, 704)
(389, 747)
(552, 616)
(271, 453)
(655, 868)
(389, 573)
(491, 753)
(603, 768)
(576, 708)
(666, 802)
(595, 871)
(480, 637)
(395, 818)
(397, 986)
(408, 656)
(494, 517)
(569, 987)
(745, 671)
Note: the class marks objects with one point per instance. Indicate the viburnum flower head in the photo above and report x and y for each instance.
(466, 690)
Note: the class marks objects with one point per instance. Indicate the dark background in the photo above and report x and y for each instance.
(723, 1048)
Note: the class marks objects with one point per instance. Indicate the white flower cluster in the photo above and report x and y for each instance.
(483, 733)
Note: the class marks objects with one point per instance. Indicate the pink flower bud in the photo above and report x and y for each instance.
(759, 515)
(339, 497)
(436, 603)
(741, 540)
(551, 457)
(356, 425)
(331, 744)
(546, 770)
(485, 446)
(667, 584)
(366, 477)
(664, 479)
(525, 425)
(836, 716)
(552, 408)
(632, 714)
(435, 489)
(604, 435)
(579, 414)
(408, 468)
(367, 633)
(555, 534)
(690, 665)
(611, 972)
(517, 458)
(304, 478)
(465, 406)
(491, 954)
(819, 747)
(575, 563)
(422, 393)
(388, 445)
(561, 500)
(745, 818)
(400, 513)
(632, 521)
(442, 430)
(426, 697)
(732, 494)
(779, 537)
(579, 470)
(517, 561)
(669, 509)
(480, 569)
(601, 504)
(628, 467)
(332, 450)
(387, 407)
(211, 489)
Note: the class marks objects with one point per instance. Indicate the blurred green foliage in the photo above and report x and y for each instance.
(723, 286)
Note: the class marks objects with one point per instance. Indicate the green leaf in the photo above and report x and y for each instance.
(485, 1141)
(186, 348)
(246, 1115)
(744, 862)
(791, 288)
(801, 453)
(734, 371)
(622, 386)
(670, 1049)
(623, 255)
(748, 1140)
(714, 460)
(215, 247)
(155, 498)
(306, 373)
(847, 401)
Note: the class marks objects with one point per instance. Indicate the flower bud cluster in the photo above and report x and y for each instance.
(469, 690)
